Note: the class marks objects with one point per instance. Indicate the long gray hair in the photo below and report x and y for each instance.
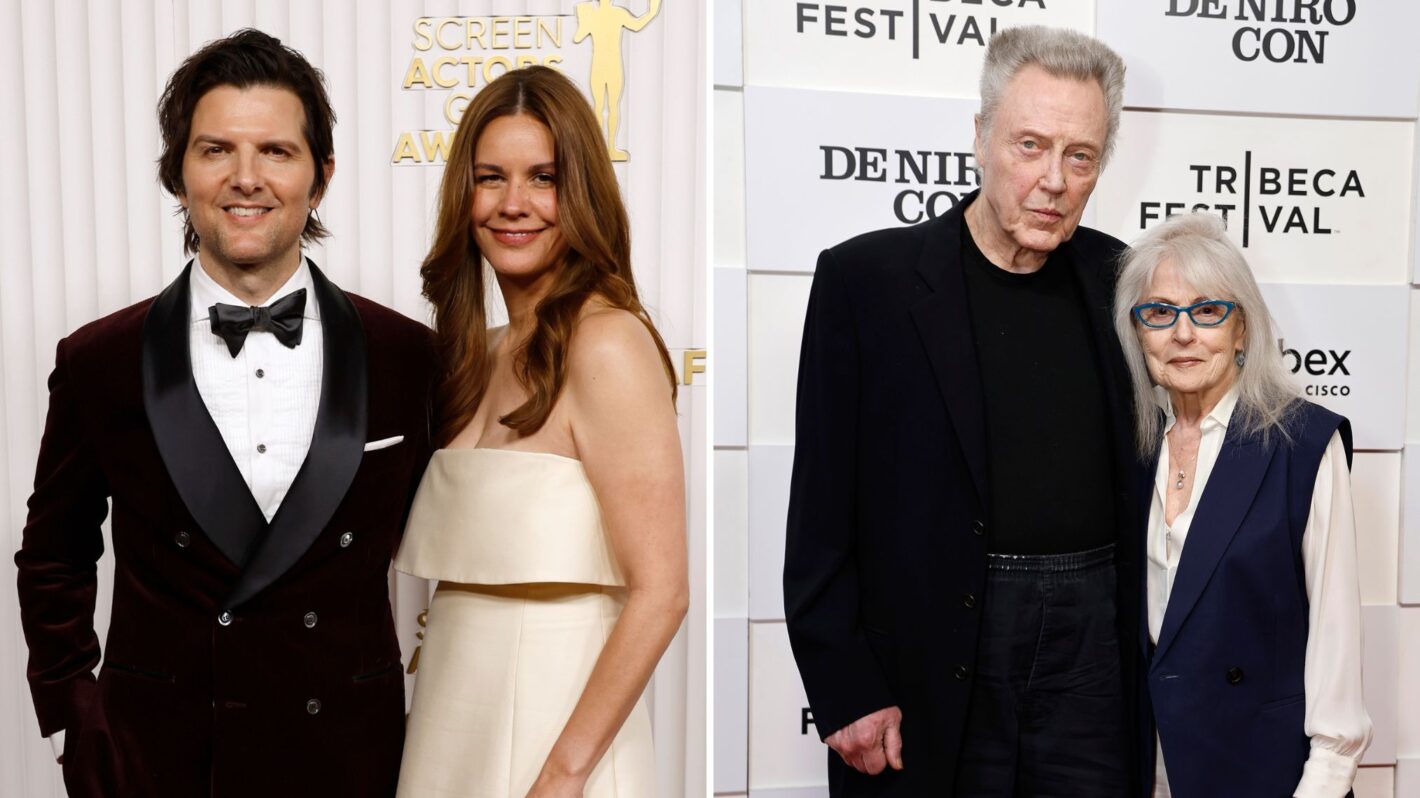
(1063, 54)
(1197, 244)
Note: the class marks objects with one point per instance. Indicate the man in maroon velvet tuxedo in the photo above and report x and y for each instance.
(260, 434)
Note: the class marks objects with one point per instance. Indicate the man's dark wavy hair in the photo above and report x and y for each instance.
(244, 59)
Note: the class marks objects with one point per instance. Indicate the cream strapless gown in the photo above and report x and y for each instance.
(528, 592)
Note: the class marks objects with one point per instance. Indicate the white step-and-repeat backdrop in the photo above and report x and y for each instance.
(86, 230)
(1295, 120)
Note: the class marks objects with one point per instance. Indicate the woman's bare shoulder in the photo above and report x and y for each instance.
(611, 342)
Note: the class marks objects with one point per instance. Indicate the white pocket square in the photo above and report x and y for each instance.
(383, 443)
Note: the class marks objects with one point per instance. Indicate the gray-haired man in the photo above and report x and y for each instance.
(956, 546)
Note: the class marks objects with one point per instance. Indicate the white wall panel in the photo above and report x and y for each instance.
(777, 304)
(1408, 585)
(791, 792)
(1268, 57)
(1407, 777)
(729, 43)
(1412, 391)
(1415, 209)
(1375, 490)
(732, 533)
(1339, 342)
(821, 167)
(1376, 782)
(729, 202)
(729, 351)
(1407, 694)
(731, 705)
(1306, 204)
(1379, 680)
(785, 750)
(921, 47)
(769, 469)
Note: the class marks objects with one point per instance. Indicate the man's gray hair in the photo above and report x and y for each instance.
(1198, 246)
(1061, 53)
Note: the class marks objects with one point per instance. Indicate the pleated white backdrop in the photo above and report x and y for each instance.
(85, 230)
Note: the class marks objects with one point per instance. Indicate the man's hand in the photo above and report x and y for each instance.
(871, 742)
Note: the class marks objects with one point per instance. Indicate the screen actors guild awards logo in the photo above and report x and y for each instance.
(457, 56)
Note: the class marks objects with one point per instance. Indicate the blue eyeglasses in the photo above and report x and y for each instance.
(1160, 316)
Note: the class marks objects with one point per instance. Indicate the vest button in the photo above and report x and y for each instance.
(961, 672)
(182, 539)
(968, 601)
(978, 527)
(313, 706)
(346, 539)
(225, 618)
(310, 620)
(1235, 675)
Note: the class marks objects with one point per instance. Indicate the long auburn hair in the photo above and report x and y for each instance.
(597, 261)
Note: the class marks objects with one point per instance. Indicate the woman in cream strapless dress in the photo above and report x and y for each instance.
(553, 520)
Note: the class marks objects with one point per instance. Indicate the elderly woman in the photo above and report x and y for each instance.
(1254, 659)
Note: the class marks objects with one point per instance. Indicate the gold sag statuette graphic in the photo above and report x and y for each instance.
(604, 22)
(414, 658)
(459, 55)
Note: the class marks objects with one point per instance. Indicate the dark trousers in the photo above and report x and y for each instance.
(1047, 708)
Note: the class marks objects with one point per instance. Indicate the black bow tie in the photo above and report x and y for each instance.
(281, 318)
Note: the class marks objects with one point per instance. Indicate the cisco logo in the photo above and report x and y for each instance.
(1318, 363)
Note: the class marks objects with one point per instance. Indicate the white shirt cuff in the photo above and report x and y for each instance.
(1327, 774)
(56, 741)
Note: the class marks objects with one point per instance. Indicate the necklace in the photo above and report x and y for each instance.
(1180, 476)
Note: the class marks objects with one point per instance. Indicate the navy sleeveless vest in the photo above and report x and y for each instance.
(1225, 680)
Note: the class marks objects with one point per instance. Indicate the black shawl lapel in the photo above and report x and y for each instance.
(188, 440)
(945, 327)
(1226, 499)
(336, 447)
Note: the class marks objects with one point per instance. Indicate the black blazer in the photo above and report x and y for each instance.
(888, 529)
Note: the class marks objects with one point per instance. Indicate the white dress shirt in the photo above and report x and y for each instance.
(1336, 718)
(264, 400)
